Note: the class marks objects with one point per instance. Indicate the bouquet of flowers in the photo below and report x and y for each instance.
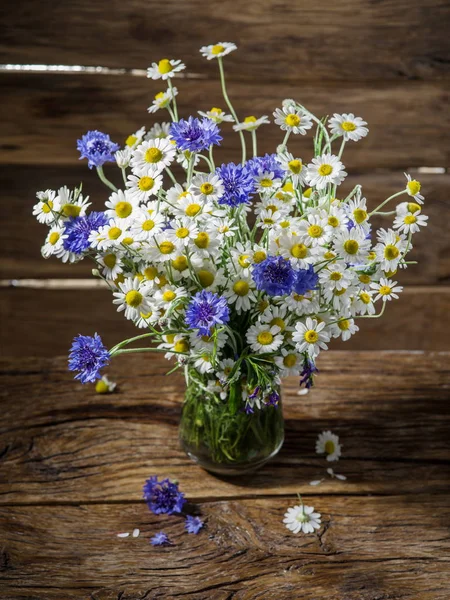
(240, 272)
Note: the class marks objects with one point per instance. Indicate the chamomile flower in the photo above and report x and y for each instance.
(47, 207)
(152, 157)
(135, 138)
(251, 123)
(357, 211)
(294, 167)
(133, 298)
(267, 183)
(144, 186)
(226, 367)
(123, 157)
(217, 115)
(350, 127)
(352, 246)
(162, 100)
(167, 295)
(191, 207)
(108, 235)
(301, 304)
(300, 253)
(314, 229)
(71, 203)
(390, 251)
(241, 255)
(54, 242)
(413, 189)
(146, 225)
(324, 170)
(151, 317)
(203, 363)
(159, 131)
(276, 315)
(290, 362)
(240, 292)
(217, 50)
(328, 443)
(302, 518)
(363, 303)
(182, 231)
(165, 69)
(264, 337)
(112, 264)
(209, 276)
(386, 289)
(164, 248)
(225, 227)
(344, 328)
(120, 205)
(207, 186)
(177, 193)
(408, 222)
(206, 343)
(311, 337)
(291, 119)
(336, 276)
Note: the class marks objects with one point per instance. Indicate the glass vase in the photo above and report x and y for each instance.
(224, 437)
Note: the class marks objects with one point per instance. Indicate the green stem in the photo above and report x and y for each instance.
(175, 108)
(254, 143)
(211, 149)
(230, 106)
(386, 201)
(105, 180)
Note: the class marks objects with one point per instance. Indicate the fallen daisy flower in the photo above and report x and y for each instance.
(328, 443)
(336, 475)
(302, 518)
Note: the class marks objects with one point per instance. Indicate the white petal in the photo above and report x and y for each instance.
(316, 482)
(123, 535)
(136, 533)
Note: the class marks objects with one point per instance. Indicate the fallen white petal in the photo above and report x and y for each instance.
(341, 477)
(123, 535)
(316, 482)
(302, 392)
(330, 472)
(136, 532)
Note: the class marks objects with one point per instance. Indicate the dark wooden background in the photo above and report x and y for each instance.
(387, 61)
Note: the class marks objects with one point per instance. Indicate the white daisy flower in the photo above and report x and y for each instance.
(225, 227)
(54, 242)
(210, 277)
(207, 186)
(133, 298)
(144, 186)
(264, 337)
(337, 219)
(226, 366)
(203, 363)
(328, 443)
(168, 294)
(301, 304)
(336, 276)
(241, 256)
(176, 193)
(267, 183)
(205, 343)
(344, 329)
(123, 157)
(413, 189)
(46, 207)
(339, 299)
(409, 222)
(386, 289)
(302, 518)
(182, 231)
(146, 225)
(408, 207)
(289, 363)
(162, 100)
(184, 158)
(325, 169)
(311, 337)
(164, 248)
(112, 264)
(314, 229)
(159, 131)
(188, 206)
(71, 204)
(152, 157)
(105, 386)
(135, 138)
(390, 251)
(120, 205)
(276, 315)
(165, 69)
(206, 242)
(350, 127)
(217, 50)
(291, 119)
(109, 235)
(363, 304)
(294, 168)
(240, 292)
(150, 317)
(291, 246)
(174, 343)
(217, 115)
(357, 211)
(352, 246)
(251, 123)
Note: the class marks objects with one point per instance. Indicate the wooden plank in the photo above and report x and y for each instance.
(21, 236)
(46, 115)
(360, 39)
(60, 442)
(245, 552)
(417, 321)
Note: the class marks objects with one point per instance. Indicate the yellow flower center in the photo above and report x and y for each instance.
(259, 256)
(298, 297)
(216, 111)
(272, 207)
(289, 361)
(181, 346)
(391, 252)
(123, 209)
(241, 288)
(151, 273)
(71, 210)
(315, 231)
(413, 187)
(180, 263)
(262, 305)
(166, 247)
(101, 387)
(268, 221)
(284, 224)
(243, 261)
(307, 193)
(278, 321)
(146, 183)
(299, 251)
(333, 221)
(266, 182)
(344, 324)
(413, 207)
(110, 260)
(202, 240)
(160, 96)
(162, 281)
(164, 66)
(206, 188)
(170, 337)
(336, 276)
(385, 290)
(288, 187)
(250, 119)
(53, 238)
(206, 278)
(153, 155)
(311, 336)
(365, 298)
(193, 209)
(292, 120)
(351, 246)
(131, 140)
(325, 170)
(168, 296)
(409, 219)
(348, 126)
(148, 225)
(340, 292)
(119, 279)
(329, 447)
(127, 241)
(114, 233)
(364, 278)
(133, 298)
(372, 255)
(265, 338)
(217, 49)
(47, 206)
(360, 215)
(182, 232)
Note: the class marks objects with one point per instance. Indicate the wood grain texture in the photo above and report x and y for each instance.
(304, 42)
(47, 114)
(245, 552)
(21, 236)
(60, 442)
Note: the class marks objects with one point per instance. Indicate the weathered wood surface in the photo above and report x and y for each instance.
(358, 39)
(72, 465)
(48, 113)
(42, 322)
(21, 236)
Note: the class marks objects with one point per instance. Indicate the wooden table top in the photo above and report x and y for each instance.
(72, 466)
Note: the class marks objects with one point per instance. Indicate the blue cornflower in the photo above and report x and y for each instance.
(238, 182)
(260, 164)
(195, 135)
(274, 275)
(163, 496)
(78, 230)
(97, 147)
(160, 539)
(305, 280)
(193, 524)
(307, 374)
(88, 355)
(272, 399)
(205, 311)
